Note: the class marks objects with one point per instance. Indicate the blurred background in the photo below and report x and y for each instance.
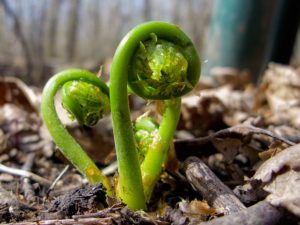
(39, 38)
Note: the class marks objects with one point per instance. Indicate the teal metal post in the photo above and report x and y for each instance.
(241, 34)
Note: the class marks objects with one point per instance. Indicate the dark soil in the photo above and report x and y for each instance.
(243, 141)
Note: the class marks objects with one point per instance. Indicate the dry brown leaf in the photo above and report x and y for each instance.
(243, 139)
(229, 147)
(200, 114)
(196, 207)
(285, 191)
(283, 83)
(274, 148)
(281, 178)
(227, 103)
(14, 91)
(19, 119)
(237, 79)
(21, 128)
(286, 131)
(287, 159)
(278, 96)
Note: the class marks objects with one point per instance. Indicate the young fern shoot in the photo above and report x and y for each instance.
(86, 98)
(158, 62)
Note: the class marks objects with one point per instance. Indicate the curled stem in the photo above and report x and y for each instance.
(159, 62)
(66, 143)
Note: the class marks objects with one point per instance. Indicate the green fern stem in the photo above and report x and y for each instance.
(158, 62)
(66, 143)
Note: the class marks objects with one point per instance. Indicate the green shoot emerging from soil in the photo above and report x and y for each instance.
(156, 61)
(82, 105)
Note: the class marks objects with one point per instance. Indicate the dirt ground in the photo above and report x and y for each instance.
(236, 161)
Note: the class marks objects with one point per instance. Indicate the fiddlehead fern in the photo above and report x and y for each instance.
(85, 97)
(84, 102)
(159, 62)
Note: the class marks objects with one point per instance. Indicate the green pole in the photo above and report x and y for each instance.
(241, 35)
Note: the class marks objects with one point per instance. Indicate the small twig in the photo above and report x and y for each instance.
(26, 185)
(238, 131)
(110, 169)
(260, 213)
(250, 130)
(217, 194)
(29, 162)
(241, 132)
(83, 221)
(102, 213)
(24, 173)
(57, 179)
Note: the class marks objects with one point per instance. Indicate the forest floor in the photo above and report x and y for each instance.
(237, 158)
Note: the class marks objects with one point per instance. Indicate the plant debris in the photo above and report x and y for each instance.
(237, 158)
(77, 201)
